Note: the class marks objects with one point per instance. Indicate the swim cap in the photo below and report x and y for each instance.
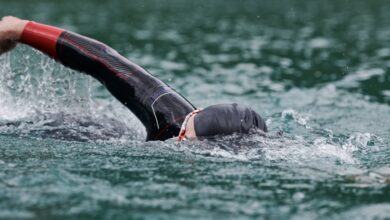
(227, 119)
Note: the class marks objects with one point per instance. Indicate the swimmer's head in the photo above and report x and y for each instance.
(226, 119)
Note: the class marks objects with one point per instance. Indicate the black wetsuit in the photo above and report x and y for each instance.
(160, 108)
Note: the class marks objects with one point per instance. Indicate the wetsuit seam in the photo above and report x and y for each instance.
(97, 58)
(59, 45)
(154, 112)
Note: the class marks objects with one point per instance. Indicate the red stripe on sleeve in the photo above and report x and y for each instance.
(41, 37)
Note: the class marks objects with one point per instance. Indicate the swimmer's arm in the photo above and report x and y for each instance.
(79, 53)
(125, 80)
(72, 50)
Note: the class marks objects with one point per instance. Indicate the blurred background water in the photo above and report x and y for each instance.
(317, 71)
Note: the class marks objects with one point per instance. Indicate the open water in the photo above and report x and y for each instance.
(317, 71)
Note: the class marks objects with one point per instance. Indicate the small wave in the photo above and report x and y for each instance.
(301, 119)
(354, 79)
(320, 153)
(71, 127)
(372, 211)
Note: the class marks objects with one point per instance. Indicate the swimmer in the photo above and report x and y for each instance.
(163, 111)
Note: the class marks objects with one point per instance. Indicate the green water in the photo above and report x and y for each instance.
(317, 71)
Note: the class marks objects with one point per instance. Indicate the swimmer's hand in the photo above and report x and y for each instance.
(11, 29)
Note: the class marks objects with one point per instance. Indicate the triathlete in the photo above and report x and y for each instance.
(164, 112)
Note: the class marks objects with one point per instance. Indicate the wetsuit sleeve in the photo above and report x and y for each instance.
(42, 37)
(159, 108)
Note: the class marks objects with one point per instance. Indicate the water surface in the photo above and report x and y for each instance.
(317, 71)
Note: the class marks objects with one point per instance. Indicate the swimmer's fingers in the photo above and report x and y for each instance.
(11, 29)
(6, 34)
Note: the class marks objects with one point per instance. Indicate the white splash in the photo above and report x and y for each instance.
(299, 118)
